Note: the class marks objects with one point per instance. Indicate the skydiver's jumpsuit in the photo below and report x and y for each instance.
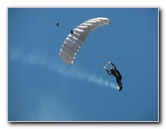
(115, 73)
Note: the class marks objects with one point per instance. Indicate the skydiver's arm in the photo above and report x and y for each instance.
(108, 71)
(105, 67)
(107, 64)
(114, 65)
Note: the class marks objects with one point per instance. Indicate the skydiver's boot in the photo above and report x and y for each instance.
(120, 88)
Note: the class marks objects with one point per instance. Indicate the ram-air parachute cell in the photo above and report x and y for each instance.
(75, 39)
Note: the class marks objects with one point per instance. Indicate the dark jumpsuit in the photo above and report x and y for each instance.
(117, 74)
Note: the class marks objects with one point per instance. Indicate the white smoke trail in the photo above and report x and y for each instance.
(44, 61)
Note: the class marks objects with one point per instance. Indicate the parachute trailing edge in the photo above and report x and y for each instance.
(75, 39)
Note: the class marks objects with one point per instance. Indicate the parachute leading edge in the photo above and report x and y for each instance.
(75, 39)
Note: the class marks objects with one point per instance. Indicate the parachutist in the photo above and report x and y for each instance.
(115, 73)
(71, 31)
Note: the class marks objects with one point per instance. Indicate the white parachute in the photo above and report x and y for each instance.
(75, 39)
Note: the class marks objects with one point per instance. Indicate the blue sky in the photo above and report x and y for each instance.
(41, 87)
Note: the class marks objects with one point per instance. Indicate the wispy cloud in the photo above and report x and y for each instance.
(60, 69)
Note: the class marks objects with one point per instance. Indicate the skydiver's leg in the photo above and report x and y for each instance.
(120, 77)
(120, 84)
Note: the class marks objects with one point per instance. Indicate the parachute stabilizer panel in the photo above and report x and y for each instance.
(74, 41)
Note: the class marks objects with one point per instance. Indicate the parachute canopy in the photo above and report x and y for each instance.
(74, 40)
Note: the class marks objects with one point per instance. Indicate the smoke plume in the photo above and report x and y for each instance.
(59, 68)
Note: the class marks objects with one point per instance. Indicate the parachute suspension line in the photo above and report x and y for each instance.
(98, 66)
(57, 24)
(107, 57)
(95, 64)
